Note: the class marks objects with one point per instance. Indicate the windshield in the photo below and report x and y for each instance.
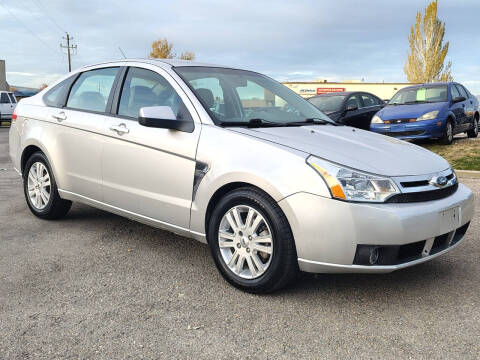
(425, 94)
(237, 97)
(328, 104)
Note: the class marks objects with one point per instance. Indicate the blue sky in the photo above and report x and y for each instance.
(288, 40)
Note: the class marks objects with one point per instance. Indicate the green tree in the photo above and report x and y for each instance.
(162, 49)
(427, 51)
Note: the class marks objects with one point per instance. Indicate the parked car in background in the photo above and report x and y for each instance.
(349, 108)
(7, 104)
(429, 111)
(236, 160)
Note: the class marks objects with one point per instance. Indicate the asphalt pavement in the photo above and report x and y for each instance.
(97, 286)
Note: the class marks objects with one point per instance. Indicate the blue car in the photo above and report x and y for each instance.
(429, 111)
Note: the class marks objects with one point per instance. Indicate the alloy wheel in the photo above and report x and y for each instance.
(245, 241)
(39, 185)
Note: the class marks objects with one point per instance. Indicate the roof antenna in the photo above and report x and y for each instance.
(119, 48)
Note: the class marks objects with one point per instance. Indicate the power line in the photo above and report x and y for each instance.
(26, 27)
(42, 8)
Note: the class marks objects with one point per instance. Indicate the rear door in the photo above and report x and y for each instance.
(80, 134)
(149, 171)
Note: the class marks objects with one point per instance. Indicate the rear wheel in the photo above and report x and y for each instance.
(40, 189)
(447, 137)
(473, 132)
(251, 241)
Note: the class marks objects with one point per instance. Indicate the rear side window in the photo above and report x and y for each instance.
(4, 99)
(12, 98)
(92, 90)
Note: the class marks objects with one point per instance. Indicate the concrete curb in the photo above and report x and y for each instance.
(468, 174)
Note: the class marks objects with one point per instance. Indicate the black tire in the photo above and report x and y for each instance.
(473, 132)
(56, 207)
(447, 137)
(283, 265)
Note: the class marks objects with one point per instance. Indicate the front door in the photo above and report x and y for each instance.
(356, 116)
(458, 110)
(149, 171)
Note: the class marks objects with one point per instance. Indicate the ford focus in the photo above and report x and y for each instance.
(235, 160)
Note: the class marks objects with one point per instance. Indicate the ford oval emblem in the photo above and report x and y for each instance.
(439, 181)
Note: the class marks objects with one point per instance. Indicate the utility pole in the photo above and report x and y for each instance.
(69, 47)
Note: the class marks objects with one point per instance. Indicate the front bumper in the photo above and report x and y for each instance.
(327, 232)
(414, 130)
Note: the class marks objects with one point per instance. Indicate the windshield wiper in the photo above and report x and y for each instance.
(252, 123)
(313, 121)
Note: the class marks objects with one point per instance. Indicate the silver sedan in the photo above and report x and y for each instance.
(234, 159)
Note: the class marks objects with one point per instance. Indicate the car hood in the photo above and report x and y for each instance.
(354, 148)
(412, 111)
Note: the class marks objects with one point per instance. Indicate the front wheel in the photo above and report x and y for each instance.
(447, 137)
(251, 241)
(40, 189)
(473, 132)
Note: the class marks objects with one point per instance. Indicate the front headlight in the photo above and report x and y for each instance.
(376, 120)
(428, 116)
(353, 185)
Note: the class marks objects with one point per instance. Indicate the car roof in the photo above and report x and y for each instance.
(164, 63)
(428, 85)
(344, 93)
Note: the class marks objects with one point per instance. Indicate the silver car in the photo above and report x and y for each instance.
(234, 159)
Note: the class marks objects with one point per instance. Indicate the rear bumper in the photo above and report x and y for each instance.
(415, 130)
(328, 232)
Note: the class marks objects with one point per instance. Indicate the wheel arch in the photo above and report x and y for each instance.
(31, 147)
(222, 191)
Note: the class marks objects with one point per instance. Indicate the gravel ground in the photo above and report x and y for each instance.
(95, 285)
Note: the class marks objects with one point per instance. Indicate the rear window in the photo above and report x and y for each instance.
(12, 98)
(4, 99)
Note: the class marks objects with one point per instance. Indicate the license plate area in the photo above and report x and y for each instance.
(449, 219)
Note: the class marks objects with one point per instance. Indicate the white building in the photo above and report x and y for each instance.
(308, 89)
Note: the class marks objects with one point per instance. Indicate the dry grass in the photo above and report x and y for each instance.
(463, 154)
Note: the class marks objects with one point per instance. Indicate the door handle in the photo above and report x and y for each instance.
(60, 116)
(120, 129)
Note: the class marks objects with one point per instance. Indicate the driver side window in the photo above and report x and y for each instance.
(145, 88)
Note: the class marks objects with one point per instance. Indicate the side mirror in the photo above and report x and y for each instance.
(458, 99)
(352, 107)
(163, 117)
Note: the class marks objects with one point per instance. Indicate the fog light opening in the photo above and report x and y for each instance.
(374, 254)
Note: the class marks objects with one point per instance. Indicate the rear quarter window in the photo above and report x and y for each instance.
(56, 96)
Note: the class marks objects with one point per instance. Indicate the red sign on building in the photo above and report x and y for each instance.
(329, 90)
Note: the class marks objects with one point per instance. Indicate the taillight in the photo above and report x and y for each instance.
(14, 115)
